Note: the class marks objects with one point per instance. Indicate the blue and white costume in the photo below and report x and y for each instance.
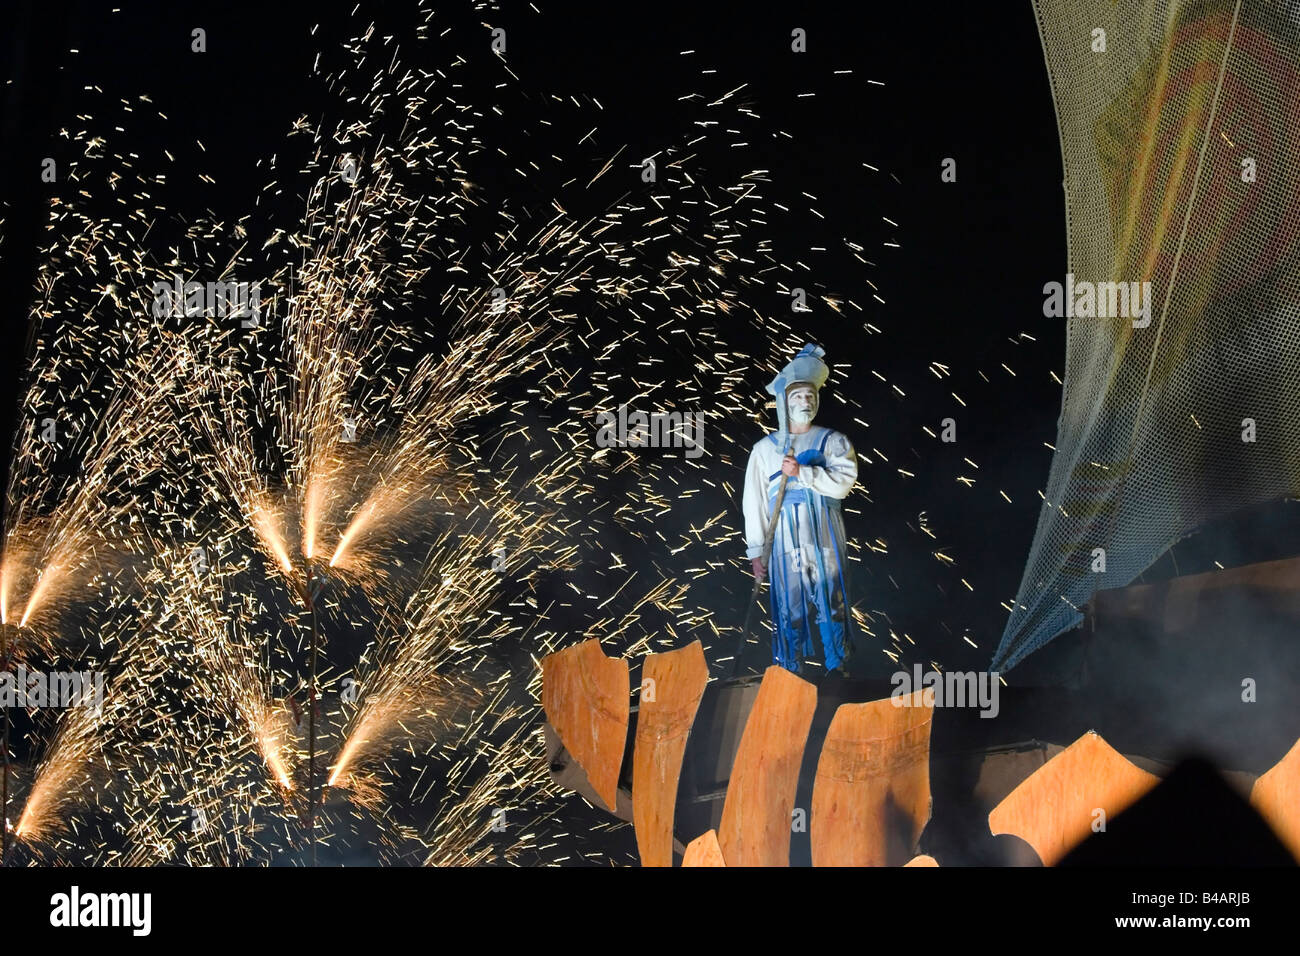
(807, 569)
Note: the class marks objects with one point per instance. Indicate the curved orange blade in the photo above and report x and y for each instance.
(1276, 797)
(585, 696)
(1054, 808)
(871, 797)
(671, 687)
(704, 851)
(755, 829)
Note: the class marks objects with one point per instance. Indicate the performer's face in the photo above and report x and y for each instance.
(803, 404)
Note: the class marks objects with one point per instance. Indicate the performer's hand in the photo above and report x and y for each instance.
(790, 466)
(760, 572)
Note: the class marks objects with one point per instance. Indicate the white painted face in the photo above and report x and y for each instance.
(803, 404)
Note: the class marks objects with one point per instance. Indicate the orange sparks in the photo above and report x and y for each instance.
(266, 526)
(42, 586)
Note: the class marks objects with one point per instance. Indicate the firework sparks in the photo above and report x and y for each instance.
(403, 450)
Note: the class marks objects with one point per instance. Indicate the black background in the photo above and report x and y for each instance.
(965, 279)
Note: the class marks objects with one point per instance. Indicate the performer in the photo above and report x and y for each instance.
(809, 558)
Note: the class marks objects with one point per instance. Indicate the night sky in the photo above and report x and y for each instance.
(961, 285)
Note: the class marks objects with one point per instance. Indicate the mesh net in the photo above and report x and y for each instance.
(1181, 148)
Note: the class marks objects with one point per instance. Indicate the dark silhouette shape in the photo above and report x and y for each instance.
(1191, 818)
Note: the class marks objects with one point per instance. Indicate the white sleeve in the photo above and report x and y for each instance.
(755, 505)
(840, 473)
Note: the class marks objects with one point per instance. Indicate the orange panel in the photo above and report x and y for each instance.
(1276, 796)
(1054, 808)
(704, 851)
(755, 828)
(671, 687)
(585, 695)
(871, 798)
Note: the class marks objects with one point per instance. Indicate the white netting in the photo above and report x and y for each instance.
(1160, 135)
